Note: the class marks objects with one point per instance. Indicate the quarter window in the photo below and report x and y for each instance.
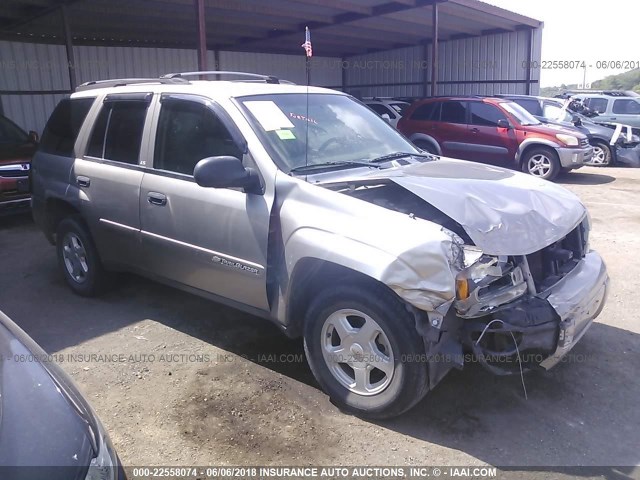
(117, 133)
(187, 133)
(62, 129)
(454, 112)
(486, 115)
(427, 112)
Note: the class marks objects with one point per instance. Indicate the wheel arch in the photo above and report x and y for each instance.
(527, 146)
(416, 137)
(56, 209)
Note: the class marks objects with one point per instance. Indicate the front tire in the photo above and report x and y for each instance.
(541, 162)
(601, 155)
(363, 349)
(78, 258)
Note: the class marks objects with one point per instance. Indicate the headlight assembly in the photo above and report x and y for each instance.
(569, 140)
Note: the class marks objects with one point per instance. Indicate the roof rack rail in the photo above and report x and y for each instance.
(120, 82)
(254, 76)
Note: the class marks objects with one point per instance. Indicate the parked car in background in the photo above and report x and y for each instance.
(389, 106)
(47, 428)
(552, 111)
(16, 149)
(302, 206)
(495, 131)
(616, 107)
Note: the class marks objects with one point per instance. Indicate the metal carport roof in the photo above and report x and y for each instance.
(339, 28)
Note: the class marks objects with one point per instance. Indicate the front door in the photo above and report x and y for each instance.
(489, 142)
(210, 239)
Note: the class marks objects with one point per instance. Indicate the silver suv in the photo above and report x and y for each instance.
(302, 206)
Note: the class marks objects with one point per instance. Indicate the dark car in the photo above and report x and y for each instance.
(495, 131)
(47, 429)
(550, 110)
(16, 149)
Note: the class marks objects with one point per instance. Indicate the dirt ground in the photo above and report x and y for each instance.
(178, 380)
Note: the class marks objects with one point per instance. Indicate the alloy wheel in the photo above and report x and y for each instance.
(539, 165)
(357, 352)
(75, 257)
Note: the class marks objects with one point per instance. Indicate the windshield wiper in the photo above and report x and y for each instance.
(319, 166)
(396, 155)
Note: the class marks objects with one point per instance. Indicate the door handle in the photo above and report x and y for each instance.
(83, 181)
(156, 198)
(475, 130)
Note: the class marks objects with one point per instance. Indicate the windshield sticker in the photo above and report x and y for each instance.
(285, 135)
(269, 115)
(297, 116)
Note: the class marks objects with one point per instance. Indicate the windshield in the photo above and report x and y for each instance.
(522, 116)
(339, 129)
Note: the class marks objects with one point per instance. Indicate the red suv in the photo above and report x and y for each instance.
(495, 131)
(16, 149)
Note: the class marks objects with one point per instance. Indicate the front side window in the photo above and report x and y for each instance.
(626, 107)
(62, 129)
(486, 115)
(597, 104)
(454, 112)
(554, 112)
(188, 132)
(117, 133)
(334, 128)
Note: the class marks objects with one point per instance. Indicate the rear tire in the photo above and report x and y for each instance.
(363, 349)
(426, 146)
(541, 162)
(78, 258)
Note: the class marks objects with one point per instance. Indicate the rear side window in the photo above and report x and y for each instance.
(486, 115)
(117, 133)
(427, 112)
(454, 112)
(626, 107)
(381, 109)
(62, 129)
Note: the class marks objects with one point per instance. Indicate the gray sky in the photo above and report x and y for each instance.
(582, 30)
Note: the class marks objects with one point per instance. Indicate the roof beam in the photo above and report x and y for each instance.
(339, 5)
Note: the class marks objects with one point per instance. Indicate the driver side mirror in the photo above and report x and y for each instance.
(33, 136)
(386, 117)
(504, 123)
(576, 120)
(226, 172)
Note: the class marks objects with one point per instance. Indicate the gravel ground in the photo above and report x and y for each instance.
(178, 380)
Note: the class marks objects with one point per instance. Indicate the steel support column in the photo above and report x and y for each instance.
(529, 56)
(68, 43)
(434, 50)
(202, 35)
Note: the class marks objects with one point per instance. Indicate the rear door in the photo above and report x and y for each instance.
(453, 134)
(626, 111)
(214, 240)
(109, 175)
(489, 143)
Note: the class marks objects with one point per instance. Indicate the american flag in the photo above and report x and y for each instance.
(307, 43)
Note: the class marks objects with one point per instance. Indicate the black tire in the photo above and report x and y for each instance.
(549, 155)
(92, 281)
(426, 146)
(604, 153)
(408, 382)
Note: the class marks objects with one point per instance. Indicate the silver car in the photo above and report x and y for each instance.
(302, 206)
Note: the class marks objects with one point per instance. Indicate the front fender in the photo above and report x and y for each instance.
(423, 277)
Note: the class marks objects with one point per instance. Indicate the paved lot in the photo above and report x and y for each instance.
(222, 387)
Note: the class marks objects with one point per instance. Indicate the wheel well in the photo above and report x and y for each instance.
(56, 211)
(426, 141)
(533, 146)
(309, 277)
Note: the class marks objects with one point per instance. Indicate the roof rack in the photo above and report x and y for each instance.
(610, 93)
(254, 76)
(120, 82)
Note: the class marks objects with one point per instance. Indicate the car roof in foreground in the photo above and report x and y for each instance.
(210, 89)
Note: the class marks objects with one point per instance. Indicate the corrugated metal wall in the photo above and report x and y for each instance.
(43, 68)
(473, 66)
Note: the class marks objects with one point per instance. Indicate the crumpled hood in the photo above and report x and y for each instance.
(503, 212)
